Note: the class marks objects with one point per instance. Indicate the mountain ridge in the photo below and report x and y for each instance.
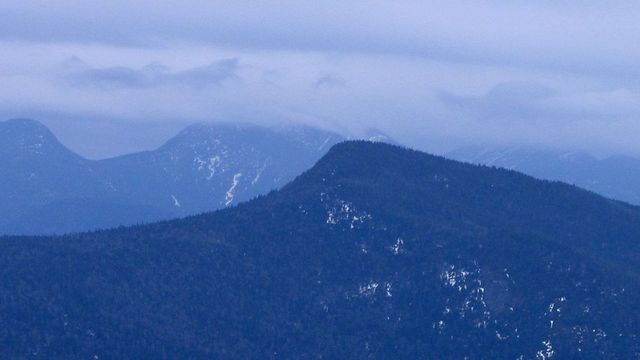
(204, 167)
(615, 176)
(376, 251)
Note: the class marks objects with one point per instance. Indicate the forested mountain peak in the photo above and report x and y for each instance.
(375, 252)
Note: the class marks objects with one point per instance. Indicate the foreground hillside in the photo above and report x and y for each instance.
(376, 252)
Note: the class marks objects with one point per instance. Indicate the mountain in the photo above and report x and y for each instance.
(45, 188)
(209, 167)
(616, 177)
(375, 252)
(37, 171)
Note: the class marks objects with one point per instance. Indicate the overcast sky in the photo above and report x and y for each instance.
(116, 76)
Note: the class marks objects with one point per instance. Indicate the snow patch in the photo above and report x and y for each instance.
(258, 174)
(368, 289)
(340, 211)
(387, 288)
(547, 352)
(212, 164)
(455, 278)
(232, 190)
(176, 203)
(471, 301)
(326, 141)
(397, 247)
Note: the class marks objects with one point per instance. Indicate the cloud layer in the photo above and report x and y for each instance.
(150, 76)
(435, 74)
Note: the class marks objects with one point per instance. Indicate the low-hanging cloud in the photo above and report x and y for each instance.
(508, 101)
(330, 80)
(432, 74)
(533, 114)
(585, 37)
(152, 75)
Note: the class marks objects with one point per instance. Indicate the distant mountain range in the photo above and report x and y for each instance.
(46, 188)
(377, 252)
(616, 177)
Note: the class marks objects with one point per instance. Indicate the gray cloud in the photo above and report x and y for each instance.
(152, 75)
(585, 37)
(508, 101)
(330, 80)
(533, 114)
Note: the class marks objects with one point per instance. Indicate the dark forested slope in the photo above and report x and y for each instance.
(376, 252)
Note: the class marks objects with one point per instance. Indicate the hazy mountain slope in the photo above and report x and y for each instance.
(616, 177)
(37, 170)
(209, 167)
(45, 188)
(69, 215)
(376, 252)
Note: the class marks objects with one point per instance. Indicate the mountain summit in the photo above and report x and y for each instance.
(37, 170)
(375, 252)
(24, 138)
